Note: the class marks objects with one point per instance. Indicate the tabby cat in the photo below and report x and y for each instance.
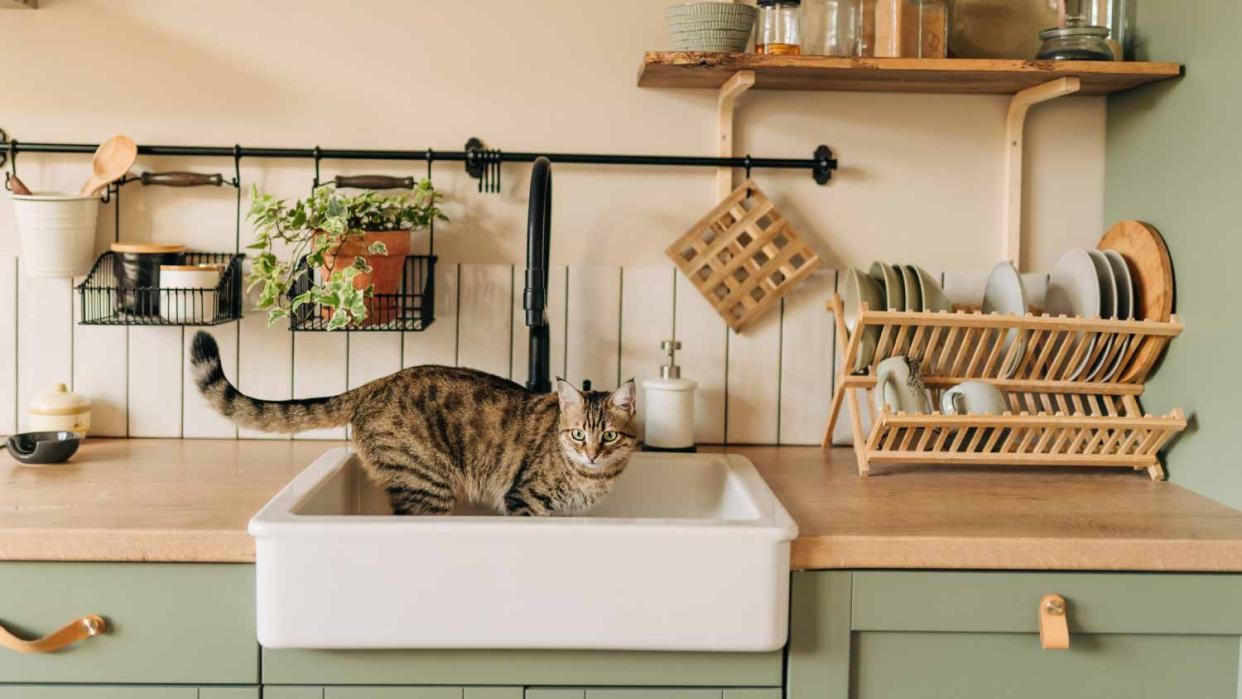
(436, 436)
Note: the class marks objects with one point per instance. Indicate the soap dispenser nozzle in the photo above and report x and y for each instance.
(670, 370)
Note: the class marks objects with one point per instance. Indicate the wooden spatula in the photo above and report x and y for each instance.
(112, 160)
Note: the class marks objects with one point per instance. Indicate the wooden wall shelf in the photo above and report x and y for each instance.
(936, 75)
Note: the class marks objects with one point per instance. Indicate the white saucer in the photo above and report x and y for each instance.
(1108, 308)
(1006, 295)
(1074, 290)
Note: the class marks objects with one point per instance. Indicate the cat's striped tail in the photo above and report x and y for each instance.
(266, 415)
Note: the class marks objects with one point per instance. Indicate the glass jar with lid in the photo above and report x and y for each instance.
(1076, 41)
(779, 27)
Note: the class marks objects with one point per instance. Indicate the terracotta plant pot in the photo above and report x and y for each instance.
(386, 271)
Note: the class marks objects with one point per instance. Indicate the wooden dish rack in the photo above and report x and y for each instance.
(1054, 419)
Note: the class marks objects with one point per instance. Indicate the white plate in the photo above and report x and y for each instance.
(933, 296)
(1126, 297)
(890, 282)
(1108, 307)
(1074, 290)
(914, 294)
(859, 288)
(1006, 295)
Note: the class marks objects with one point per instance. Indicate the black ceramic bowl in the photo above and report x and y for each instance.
(43, 447)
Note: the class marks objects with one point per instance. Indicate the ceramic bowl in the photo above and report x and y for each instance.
(43, 447)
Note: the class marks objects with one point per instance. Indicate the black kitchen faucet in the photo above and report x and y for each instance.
(535, 295)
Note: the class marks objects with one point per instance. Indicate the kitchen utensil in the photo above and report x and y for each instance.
(934, 300)
(892, 285)
(1108, 308)
(56, 233)
(910, 286)
(60, 410)
(1074, 290)
(859, 288)
(188, 292)
(1152, 272)
(1125, 306)
(899, 387)
(1076, 41)
(743, 256)
(973, 398)
(710, 26)
(112, 160)
(18, 187)
(1005, 294)
(999, 28)
(36, 448)
(136, 267)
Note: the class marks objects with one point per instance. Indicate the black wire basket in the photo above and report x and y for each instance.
(410, 310)
(108, 300)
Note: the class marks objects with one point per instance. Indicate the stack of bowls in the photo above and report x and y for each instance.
(710, 26)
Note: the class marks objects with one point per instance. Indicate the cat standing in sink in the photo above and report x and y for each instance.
(434, 436)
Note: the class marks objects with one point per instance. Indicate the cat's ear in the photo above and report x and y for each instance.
(570, 397)
(625, 398)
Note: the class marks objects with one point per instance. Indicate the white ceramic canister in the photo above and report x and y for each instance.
(668, 406)
(57, 233)
(188, 293)
(59, 410)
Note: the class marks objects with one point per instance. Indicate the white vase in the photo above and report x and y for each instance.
(56, 233)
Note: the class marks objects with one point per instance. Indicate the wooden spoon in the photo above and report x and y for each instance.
(112, 160)
(18, 187)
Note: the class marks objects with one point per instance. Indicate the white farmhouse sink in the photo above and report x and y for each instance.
(689, 552)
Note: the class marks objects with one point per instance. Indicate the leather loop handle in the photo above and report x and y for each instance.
(373, 182)
(181, 179)
(77, 630)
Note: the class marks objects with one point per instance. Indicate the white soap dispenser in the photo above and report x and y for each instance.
(668, 405)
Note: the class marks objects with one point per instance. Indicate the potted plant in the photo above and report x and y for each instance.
(358, 243)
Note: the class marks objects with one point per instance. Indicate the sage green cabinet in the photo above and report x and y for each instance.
(962, 635)
(176, 624)
(125, 692)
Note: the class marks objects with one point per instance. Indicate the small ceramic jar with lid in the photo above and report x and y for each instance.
(59, 410)
(188, 293)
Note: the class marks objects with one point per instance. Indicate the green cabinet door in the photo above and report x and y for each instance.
(654, 693)
(96, 692)
(910, 665)
(392, 693)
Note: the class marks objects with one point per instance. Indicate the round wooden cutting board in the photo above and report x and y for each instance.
(1152, 269)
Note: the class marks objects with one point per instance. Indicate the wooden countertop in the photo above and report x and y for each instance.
(190, 500)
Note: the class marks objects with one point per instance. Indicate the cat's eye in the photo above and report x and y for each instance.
(611, 436)
(578, 435)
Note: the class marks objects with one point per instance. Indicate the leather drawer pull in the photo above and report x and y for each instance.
(1053, 623)
(77, 630)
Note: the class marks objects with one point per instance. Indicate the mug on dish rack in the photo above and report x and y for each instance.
(973, 398)
(899, 386)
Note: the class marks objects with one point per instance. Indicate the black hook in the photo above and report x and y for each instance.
(317, 154)
(12, 158)
(748, 164)
(237, 165)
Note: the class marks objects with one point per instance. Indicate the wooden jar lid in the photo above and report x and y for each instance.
(147, 248)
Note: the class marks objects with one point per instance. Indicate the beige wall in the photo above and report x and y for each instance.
(920, 179)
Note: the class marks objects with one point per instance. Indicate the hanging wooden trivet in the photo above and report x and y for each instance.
(743, 256)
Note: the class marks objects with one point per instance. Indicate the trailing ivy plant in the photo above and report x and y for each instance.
(316, 226)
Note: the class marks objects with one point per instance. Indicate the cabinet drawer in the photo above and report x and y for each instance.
(909, 665)
(1133, 603)
(167, 623)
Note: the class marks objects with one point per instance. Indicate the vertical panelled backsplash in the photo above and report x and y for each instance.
(769, 385)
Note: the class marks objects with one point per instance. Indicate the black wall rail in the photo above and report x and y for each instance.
(482, 163)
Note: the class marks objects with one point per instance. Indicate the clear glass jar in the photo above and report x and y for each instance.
(831, 27)
(1075, 41)
(779, 27)
(912, 28)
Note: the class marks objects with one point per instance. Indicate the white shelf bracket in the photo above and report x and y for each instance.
(741, 81)
(1015, 124)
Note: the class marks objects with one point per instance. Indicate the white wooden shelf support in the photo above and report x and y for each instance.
(1015, 124)
(741, 81)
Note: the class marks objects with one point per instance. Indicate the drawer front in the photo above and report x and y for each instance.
(906, 665)
(1134, 603)
(392, 693)
(167, 623)
(87, 692)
